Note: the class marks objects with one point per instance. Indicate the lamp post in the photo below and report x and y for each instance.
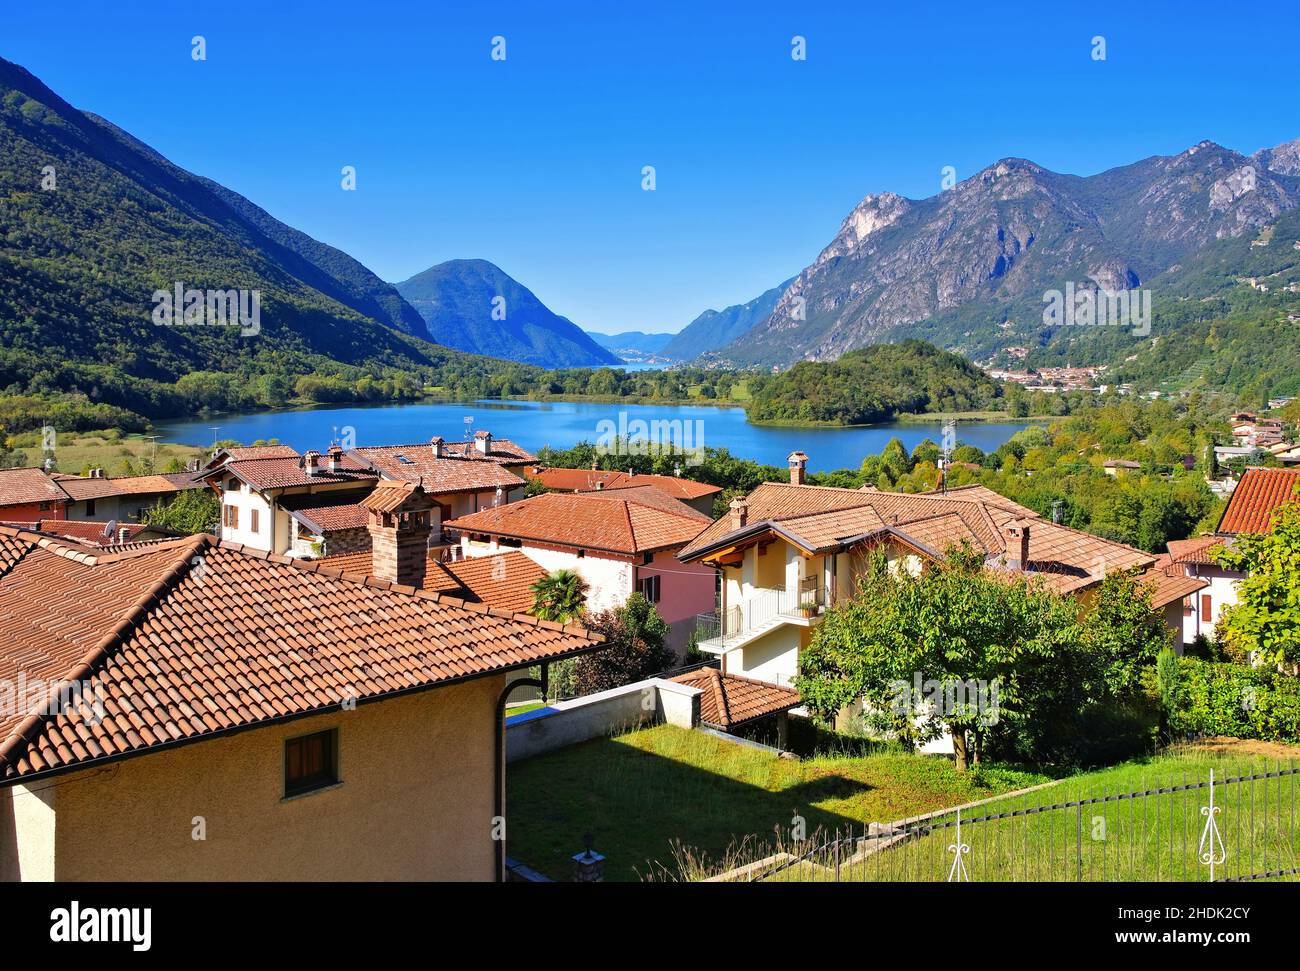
(588, 866)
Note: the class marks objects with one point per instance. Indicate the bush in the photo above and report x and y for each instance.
(635, 634)
(1232, 699)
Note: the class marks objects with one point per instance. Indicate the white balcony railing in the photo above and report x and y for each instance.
(764, 608)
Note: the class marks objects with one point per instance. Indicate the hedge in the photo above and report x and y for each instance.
(1222, 698)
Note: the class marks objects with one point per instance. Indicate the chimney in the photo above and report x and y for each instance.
(600, 484)
(399, 518)
(123, 534)
(739, 513)
(798, 467)
(435, 443)
(335, 455)
(311, 461)
(483, 442)
(1016, 534)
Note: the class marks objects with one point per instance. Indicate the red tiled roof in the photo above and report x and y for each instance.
(587, 480)
(281, 473)
(1195, 550)
(19, 487)
(501, 450)
(450, 473)
(328, 511)
(188, 638)
(823, 518)
(91, 533)
(82, 488)
(1167, 582)
(1256, 498)
(502, 580)
(730, 700)
(615, 522)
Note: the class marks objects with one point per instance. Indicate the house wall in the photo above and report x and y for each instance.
(1222, 592)
(610, 581)
(27, 833)
(124, 509)
(246, 500)
(29, 512)
(415, 801)
(773, 657)
(685, 590)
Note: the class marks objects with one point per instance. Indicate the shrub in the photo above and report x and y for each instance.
(1232, 699)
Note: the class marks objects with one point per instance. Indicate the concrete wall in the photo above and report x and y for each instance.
(415, 802)
(605, 713)
(27, 832)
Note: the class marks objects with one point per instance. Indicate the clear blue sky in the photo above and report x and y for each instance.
(535, 162)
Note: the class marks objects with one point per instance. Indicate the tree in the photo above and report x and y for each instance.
(1266, 617)
(634, 634)
(560, 596)
(1123, 634)
(954, 648)
(192, 511)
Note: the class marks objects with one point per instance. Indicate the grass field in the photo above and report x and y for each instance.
(641, 793)
(1095, 836)
(109, 450)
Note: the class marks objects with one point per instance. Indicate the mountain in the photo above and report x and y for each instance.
(968, 268)
(632, 343)
(475, 306)
(718, 328)
(95, 223)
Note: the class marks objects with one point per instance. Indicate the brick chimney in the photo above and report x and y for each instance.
(798, 467)
(435, 443)
(335, 456)
(483, 442)
(400, 521)
(1016, 534)
(739, 513)
(311, 461)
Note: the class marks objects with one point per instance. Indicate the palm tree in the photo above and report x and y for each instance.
(560, 596)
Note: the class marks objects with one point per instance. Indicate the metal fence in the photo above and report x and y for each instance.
(1231, 828)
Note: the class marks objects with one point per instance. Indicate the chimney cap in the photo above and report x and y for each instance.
(797, 456)
(334, 449)
(436, 440)
(482, 434)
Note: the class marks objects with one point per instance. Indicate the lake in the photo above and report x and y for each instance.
(562, 424)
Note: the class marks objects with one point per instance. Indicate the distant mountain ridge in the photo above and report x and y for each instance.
(475, 306)
(714, 329)
(967, 268)
(96, 222)
(632, 342)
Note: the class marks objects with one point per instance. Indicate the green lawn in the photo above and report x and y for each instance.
(639, 793)
(1153, 838)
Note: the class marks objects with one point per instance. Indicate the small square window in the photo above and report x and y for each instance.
(649, 587)
(310, 762)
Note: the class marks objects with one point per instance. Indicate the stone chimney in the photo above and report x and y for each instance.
(739, 513)
(435, 444)
(399, 522)
(335, 456)
(311, 461)
(1016, 534)
(483, 442)
(798, 467)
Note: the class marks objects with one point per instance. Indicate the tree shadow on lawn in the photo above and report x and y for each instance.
(636, 803)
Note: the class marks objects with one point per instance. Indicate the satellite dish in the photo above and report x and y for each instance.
(110, 529)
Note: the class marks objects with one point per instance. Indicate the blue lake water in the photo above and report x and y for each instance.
(562, 424)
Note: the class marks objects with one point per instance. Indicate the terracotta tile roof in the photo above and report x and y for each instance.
(730, 700)
(503, 580)
(236, 452)
(89, 532)
(187, 638)
(416, 463)
(1256, 498)
(281, 473)
(822, 518)
(1195, 550)
(18, 487)
(328, 511)
(588, 480)
(82, 488)
(1168, 583)
(615, 522)
(501, 450)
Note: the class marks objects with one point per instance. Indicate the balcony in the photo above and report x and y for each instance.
(764, 609)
